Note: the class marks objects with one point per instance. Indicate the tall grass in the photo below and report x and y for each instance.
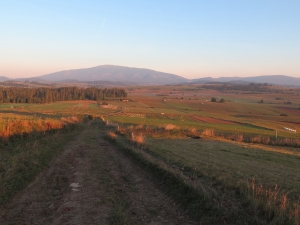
(272, 203)
(172, 131)
(22, 158)
(21, 126)
(260, 139)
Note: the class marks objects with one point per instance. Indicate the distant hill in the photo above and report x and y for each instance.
(270, 79)
(275, 79)
(2, 78)
(121, 75)
(30, 79)
(115, 74)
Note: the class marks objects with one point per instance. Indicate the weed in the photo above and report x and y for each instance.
(120, 212)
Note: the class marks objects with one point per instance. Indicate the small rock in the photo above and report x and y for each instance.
(75, 185)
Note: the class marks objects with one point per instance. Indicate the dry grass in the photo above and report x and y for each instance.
(112, 135)
(21, 126)
(111, 124)
(273, 203)
(208, 132)
(264, 200)
(137, 138)
(260, 139)
(169, 127)
(174, 132)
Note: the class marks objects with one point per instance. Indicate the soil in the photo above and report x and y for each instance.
(93, 182)
(212, 120)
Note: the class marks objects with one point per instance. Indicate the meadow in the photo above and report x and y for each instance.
(236, 153)
(229, 152)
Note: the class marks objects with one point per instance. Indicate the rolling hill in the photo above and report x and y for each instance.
(114, 73)
(133, 76)
(271, 79)
(2, 78)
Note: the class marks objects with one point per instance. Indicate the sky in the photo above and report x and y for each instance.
(193, 39)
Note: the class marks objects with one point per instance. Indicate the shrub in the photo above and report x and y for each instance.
(208, 132)
(169, 127)
(112, 135)
(137, 138)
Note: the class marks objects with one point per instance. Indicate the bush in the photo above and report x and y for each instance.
(213, 99)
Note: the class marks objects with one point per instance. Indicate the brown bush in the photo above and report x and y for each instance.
(169, 127)
(208, 132)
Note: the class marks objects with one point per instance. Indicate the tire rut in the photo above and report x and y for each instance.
(93, 182)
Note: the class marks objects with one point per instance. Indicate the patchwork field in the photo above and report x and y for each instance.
(236, 151)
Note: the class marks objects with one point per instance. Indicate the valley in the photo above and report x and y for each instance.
(173, 154)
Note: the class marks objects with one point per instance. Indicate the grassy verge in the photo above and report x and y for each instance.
(22, 159)
(200, 204)
(214, 182)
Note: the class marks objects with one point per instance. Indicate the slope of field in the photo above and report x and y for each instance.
(181, 131)
(93, 183)
(233, 182)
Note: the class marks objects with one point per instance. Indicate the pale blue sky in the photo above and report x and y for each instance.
(190, 38)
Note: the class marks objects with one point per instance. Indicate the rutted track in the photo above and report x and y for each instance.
(108, 188)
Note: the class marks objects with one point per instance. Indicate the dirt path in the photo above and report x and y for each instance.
(93, 183)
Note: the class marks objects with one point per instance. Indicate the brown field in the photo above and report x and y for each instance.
(211, 120)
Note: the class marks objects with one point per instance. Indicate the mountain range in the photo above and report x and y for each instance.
(113, 73)
(3, 78)
(131, 75)
(270, 79)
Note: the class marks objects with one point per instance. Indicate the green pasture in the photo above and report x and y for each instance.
(93, 106)
(183, 122)
(256, 128)
(251, 117)
(232, 163)
(12, 105)
(57, 106)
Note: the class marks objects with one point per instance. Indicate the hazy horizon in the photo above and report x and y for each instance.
(153, 70)
(191, 39)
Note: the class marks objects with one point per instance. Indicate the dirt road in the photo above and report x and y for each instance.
(92, 182)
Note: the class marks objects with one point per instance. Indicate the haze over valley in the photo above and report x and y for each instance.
(138, 76)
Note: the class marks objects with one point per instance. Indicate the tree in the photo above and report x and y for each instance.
(42, 95)
(213, 99)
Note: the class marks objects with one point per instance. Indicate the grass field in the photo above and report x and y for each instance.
(232, 163)
(228, 151)
(261, 180)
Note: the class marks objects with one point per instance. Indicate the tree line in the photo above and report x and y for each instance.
(252, 88)
(48, 95)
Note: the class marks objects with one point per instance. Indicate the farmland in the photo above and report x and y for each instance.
(235, 152)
